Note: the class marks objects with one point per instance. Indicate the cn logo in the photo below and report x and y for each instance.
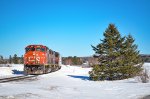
(38, 59)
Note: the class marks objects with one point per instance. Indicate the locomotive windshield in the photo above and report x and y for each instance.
(30, 49)
(43, 49)
(40, 49)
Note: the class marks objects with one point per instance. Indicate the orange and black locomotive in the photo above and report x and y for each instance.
(39, 59)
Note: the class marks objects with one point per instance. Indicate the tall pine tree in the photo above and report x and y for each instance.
(118, 57)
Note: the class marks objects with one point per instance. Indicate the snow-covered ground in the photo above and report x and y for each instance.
(70, 82)
(11, 70)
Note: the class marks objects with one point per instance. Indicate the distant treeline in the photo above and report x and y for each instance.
(65, 60)
(91, 60)
(145, 57)
(11, 60)
(72, 60)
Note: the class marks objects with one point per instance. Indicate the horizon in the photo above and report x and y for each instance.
(70, 27)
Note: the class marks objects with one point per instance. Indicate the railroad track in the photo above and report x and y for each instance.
(9, 79)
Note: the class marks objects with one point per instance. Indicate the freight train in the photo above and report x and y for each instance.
(39, 59)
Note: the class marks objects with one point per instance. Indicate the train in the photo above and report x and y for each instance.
(39, 59)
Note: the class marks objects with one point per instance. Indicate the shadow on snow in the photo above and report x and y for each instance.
(80, 77)
(17, 72)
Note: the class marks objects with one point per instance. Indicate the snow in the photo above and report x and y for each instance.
(11, 70)
(147, 67)
(5, 71)
(70, 82)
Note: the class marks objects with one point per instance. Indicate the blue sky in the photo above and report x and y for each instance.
(70, 26)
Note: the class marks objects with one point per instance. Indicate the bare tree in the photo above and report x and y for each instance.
(144, 77)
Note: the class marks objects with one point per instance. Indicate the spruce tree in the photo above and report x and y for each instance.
(10, 59)
(132, 62)
(22, 59)
(1, 59)
(118, 57)
(75, 60)
(15, 59)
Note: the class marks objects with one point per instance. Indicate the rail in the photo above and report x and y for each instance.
(9, 79)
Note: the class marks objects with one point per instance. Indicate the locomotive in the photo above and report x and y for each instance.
(39, 59)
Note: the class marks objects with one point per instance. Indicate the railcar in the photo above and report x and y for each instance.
(39, 59)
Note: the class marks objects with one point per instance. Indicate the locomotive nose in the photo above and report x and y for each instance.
(34, 58)
(30, 58)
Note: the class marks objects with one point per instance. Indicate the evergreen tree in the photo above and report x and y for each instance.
(75, 60)
(22, 59)
(10, 59)
(132, 60)
(1, 59)
(15, 59)
(118, 57)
